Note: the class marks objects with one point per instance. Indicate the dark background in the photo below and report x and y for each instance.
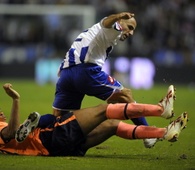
(165, 34)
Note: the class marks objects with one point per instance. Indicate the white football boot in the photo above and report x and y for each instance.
(167, 103)
(149, 143)
(27, 127)
(175, 127)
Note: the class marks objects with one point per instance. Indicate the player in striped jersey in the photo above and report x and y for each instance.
(81, 73)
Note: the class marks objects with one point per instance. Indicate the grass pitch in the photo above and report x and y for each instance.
(115, 153)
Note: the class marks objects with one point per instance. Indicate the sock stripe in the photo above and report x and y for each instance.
(133, 133)
(125, 111)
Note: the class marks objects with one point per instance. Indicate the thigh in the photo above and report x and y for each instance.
(67, 97)
(101, 133)
(90, 118)
(95, 82)
(122, 96)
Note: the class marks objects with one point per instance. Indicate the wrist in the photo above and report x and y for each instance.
(16, 99)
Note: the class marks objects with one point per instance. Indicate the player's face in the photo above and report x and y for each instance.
(2, 117)
(128, 27)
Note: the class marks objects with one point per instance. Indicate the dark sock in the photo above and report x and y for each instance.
(140, 121)
(46, 120)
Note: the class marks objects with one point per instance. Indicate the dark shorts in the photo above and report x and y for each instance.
(83, 79)
(64, 137)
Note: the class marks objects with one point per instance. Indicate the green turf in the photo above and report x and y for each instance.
(115, 153)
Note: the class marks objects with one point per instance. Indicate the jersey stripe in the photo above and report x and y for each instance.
(71, 57)
(84, 51)
(78, 39)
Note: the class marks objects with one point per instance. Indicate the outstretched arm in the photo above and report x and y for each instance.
(110, 20)
(13, 124)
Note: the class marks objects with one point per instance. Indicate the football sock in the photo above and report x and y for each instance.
(132, 110)
(139, 121)
(128, 131)
(144, 132)
(125, 130)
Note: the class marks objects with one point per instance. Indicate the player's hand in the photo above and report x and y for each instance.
(10, 91)
(125, 15)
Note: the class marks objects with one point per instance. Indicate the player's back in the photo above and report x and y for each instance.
(30, 146)
(91, 46)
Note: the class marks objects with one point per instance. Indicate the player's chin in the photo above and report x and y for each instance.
(122, 39)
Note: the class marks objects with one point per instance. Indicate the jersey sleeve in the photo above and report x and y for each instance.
(111, 34)
(2, 126)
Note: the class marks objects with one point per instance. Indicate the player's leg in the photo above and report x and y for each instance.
(28, 126)
(121, 129)
(166, 103)
(103, 86)
(67, 96)
(127, 96)
(101, 133)
(170, 133)
(133, 110)
(46, 120)
(89, 118)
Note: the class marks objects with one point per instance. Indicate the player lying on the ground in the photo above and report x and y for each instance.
(73, 133)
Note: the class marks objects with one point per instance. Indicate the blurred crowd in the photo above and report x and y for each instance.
(165, 31)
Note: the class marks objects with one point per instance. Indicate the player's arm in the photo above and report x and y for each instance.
(13, 124)
(110, 20)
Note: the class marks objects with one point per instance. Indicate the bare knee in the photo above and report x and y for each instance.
(101, 107)
(123, 96)
(113, 123)
(56, 112)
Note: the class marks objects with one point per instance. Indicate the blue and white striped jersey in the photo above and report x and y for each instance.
(92, 45)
